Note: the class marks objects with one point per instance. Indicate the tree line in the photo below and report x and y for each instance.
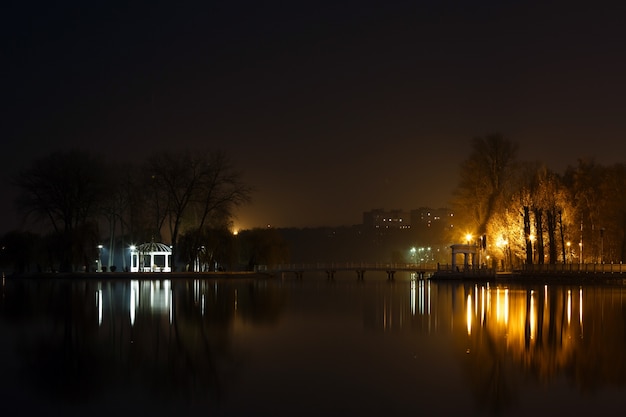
(73, 201)
(519, 211)
(524, 212)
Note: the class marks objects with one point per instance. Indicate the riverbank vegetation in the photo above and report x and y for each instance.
(524, 212)
(77, 208)
(70, 201)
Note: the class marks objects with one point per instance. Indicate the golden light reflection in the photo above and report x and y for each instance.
(482, 306)
(533, 316)
(569, 307)
(469, 314)
(502, 306)
(519, 321)
(580, 310)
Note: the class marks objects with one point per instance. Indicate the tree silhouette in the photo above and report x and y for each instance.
(192, 188)
(62, 192)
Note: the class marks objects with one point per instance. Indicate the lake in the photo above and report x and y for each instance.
(310, 347)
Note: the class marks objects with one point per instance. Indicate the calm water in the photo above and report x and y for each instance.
(310, 347)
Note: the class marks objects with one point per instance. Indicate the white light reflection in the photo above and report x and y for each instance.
(171, 307)
(469, 314)
(99, 305)
(134, 300)
(429, 297)
(412, 297)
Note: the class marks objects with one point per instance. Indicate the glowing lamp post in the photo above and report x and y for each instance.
(99, 269)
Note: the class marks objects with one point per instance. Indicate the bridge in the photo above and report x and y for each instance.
(360, 268)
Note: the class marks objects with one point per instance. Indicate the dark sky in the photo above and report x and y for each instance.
(329, 108)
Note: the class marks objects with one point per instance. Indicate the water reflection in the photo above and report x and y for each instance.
(228, 346)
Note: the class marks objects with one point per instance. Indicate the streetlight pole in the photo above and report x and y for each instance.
(602, 245)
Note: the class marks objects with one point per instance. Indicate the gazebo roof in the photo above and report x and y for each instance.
(154, 247)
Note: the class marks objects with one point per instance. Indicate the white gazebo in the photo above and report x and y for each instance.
(151, 257)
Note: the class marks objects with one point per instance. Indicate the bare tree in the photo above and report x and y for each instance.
(62, 192)
(191, 188)
(486, 177)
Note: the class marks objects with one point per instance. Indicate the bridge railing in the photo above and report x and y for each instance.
(594, 268)
(384, 266)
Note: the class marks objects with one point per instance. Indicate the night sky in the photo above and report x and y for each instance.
(329, 108)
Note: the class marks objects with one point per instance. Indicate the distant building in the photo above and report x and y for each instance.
(433, 225)
(386, 219)
(427, 218)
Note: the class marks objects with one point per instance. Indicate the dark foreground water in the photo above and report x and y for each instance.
(310, 347)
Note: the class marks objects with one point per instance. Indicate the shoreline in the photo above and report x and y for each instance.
(140, 275)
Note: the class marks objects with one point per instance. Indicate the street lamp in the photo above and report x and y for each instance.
(99, 259)
(413, 255)
(569, 252)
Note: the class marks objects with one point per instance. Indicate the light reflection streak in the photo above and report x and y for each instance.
(502, 306)
(429, 299)
(533, 316)
(482, 306)
(569, 307)
(580, 310)
(134, 300)
(469, 314)
(520, 317)
(412, 297)
(99, 305)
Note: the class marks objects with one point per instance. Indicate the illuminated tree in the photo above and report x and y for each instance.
(486, 180)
